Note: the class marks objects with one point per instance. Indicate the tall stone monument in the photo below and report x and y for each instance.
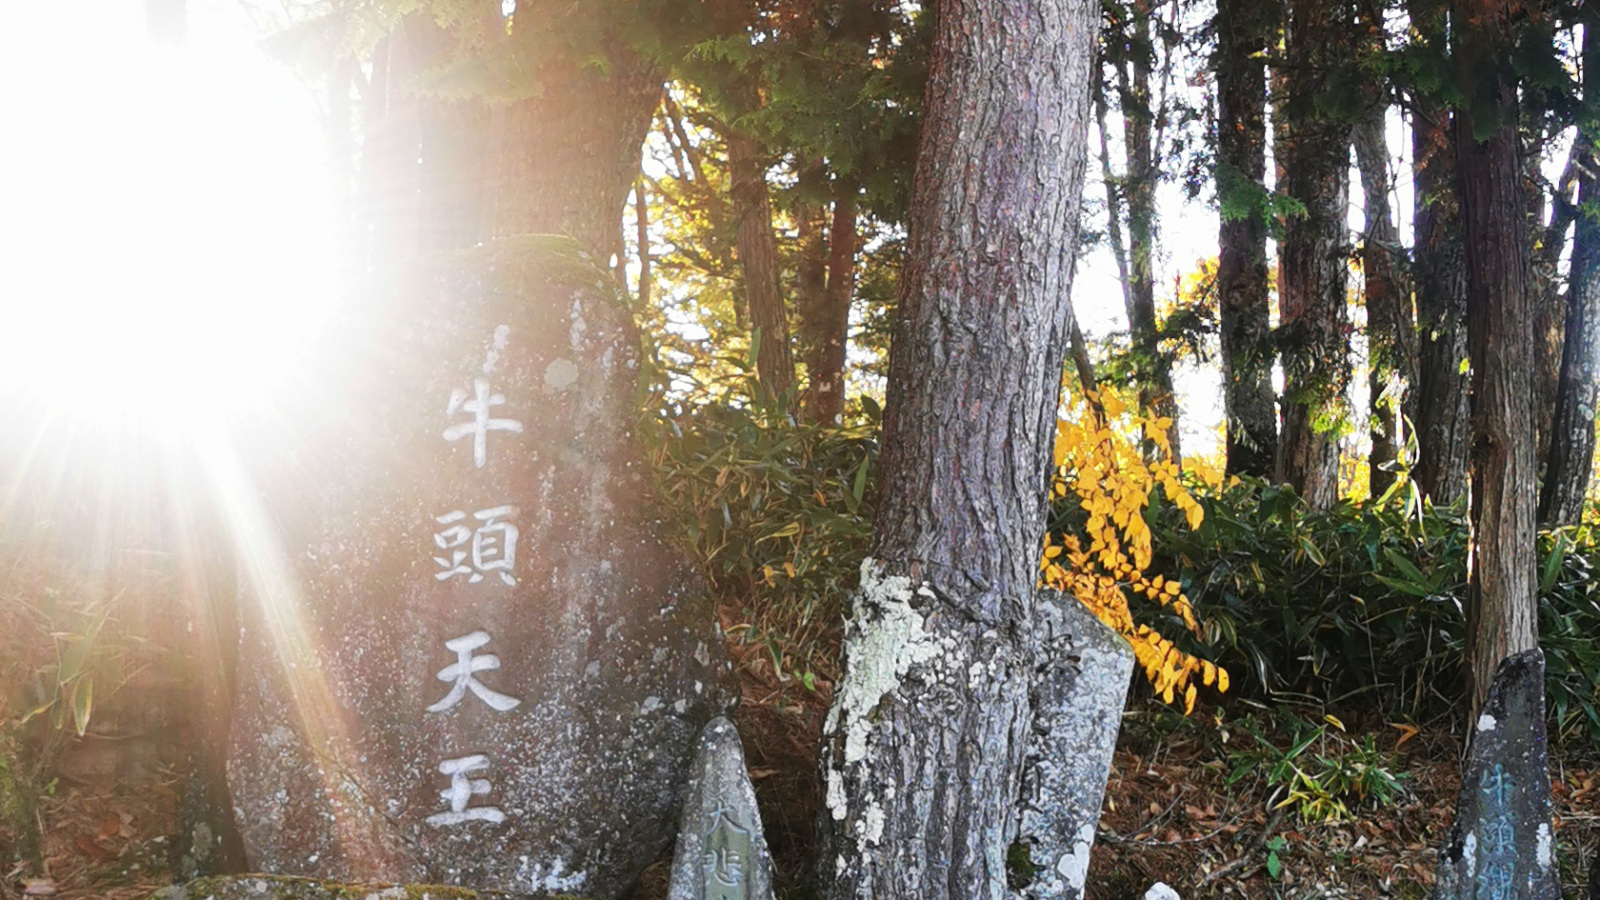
(471, 660)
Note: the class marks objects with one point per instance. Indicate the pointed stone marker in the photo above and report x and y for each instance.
(722, 853)
(1500, 846)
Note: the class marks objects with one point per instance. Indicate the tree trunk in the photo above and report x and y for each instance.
(567, 157)
(1315, 150)
(1247, 355)
(1443, 417)
(930, 721)
(758, 260)
(641, 219)
(831, 332)
(1502, 599)
(1391, 329)
(1155, 374)
(1570, 460)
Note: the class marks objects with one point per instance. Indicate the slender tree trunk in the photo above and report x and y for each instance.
(1155, 387)
(1570, 460)
(1443, 417)
(1315, 150)
(758, 260)
(1502, 599)
(825, 396)
(1247, 355)
(1391, 328)
(922, 765)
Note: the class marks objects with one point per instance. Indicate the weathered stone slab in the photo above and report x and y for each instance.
(280, 887)
(722, 850)
(1080, 686)
(1500, 846)
(471, 660)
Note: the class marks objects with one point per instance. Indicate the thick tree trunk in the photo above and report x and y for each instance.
(758, 260)
(1391, 328)
(1247, 355)
(568, 157)
(1315, 152)
(1443, 417)
(931, 718)
(831, 329)
(449, 173)
(1570, 459)
(1502, 598)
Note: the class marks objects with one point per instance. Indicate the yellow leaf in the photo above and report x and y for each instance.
(1188, 700)
(1222, 680)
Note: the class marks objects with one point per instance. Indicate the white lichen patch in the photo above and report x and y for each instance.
(1469, 853)
(871, 826)
(1544, 853)
(884, 638)
(1074, 865)
(1486, 722)
(837, 803)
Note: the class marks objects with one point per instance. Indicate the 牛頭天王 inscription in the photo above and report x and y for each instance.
(482, 665)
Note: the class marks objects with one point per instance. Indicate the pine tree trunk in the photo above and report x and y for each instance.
(1443, 417)
(758, 260)
(1569, 462)
(1247, 355)
(1315, 153)
(1502, 599)
(922, 758)
(1391, 330)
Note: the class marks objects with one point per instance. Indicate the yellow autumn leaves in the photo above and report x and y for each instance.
(1099, 460)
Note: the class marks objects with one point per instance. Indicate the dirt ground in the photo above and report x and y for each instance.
(1170, 814)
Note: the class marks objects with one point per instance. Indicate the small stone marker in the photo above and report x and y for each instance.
(1080, 687)
(722, 852)
(1500, 846)
(474, 661)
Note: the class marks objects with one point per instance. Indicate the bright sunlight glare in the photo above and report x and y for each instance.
(166, 213)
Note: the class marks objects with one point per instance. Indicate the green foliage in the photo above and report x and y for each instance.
(1323, 776)
(1364, 605)
(778, 515)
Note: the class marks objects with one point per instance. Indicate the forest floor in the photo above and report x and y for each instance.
(1171, 815)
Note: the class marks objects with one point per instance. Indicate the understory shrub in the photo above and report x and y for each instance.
(1363, 606)
(779, 515)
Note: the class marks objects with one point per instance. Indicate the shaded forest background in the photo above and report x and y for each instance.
(1319, 552)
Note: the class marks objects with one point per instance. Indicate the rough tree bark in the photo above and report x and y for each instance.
(926, 737)
(1391, 329)
(1315, 152)
(1570, 459)
(567, 157)
(1247, 355)
(758, 260)
(1502, 587)
(1443, 418)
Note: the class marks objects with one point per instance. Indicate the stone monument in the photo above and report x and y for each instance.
(722, 851)
(471, 658)
(1500, 846)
